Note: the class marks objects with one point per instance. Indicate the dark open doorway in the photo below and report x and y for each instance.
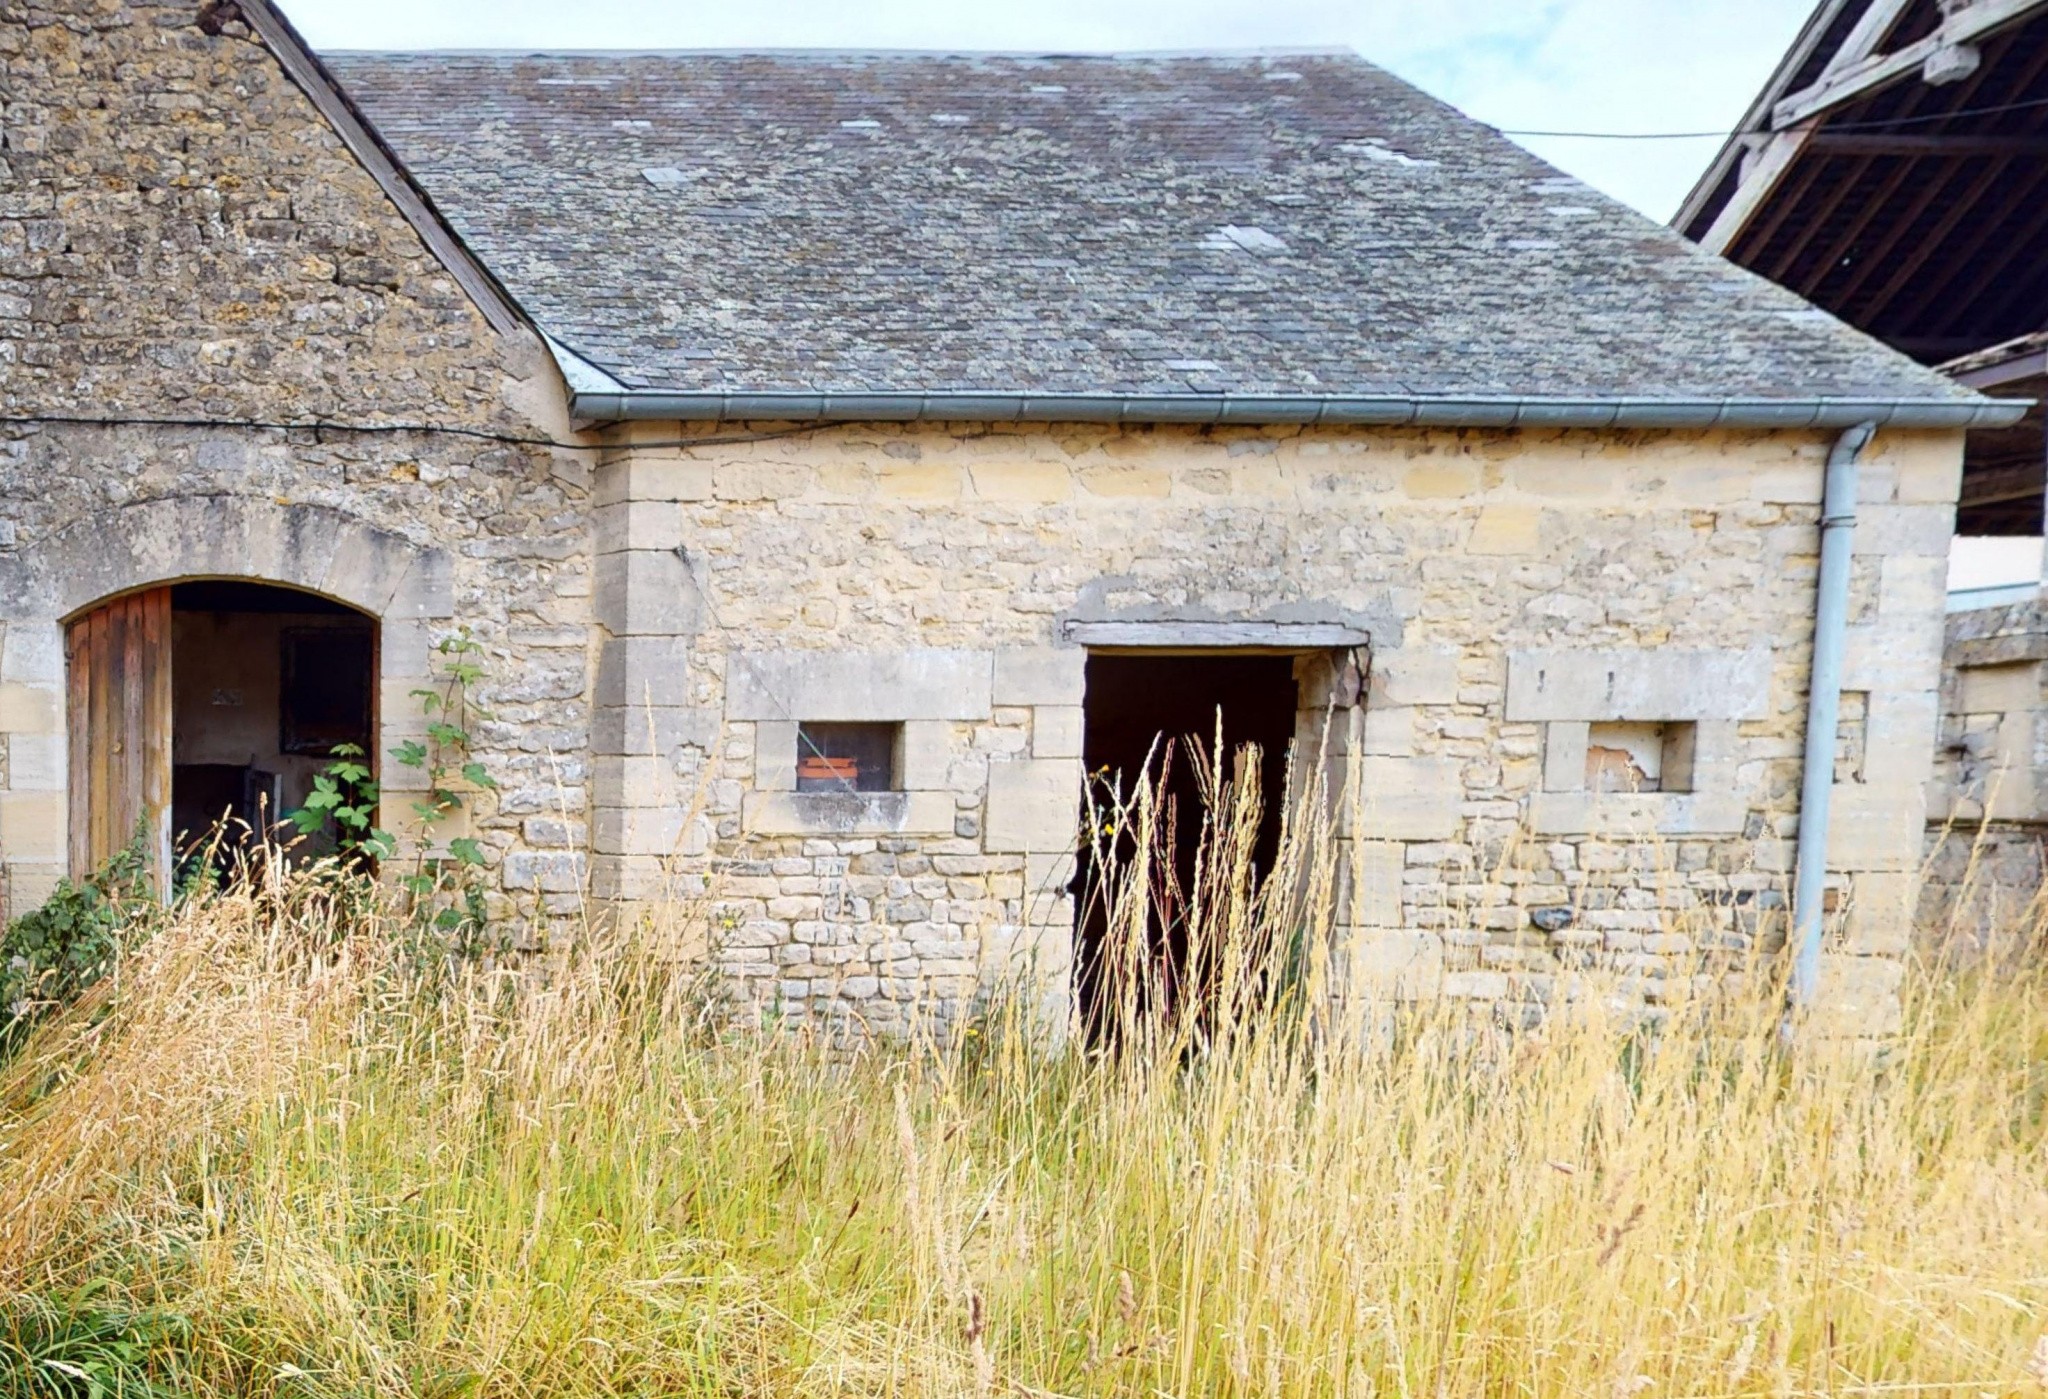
(1149, 716)
(267, 683)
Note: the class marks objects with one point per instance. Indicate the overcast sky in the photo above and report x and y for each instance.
(1580, 65)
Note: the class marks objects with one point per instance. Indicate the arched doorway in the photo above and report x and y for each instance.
(209, 700)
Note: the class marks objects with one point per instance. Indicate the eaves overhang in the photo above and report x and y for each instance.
(1378, 410)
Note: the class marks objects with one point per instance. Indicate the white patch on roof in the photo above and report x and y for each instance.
(631, 125)
(1247, 238)
(1048, 87)
(1282, 75)
(1373, 148)
(861, 124)
(1193, 365)
(1289, 200)
(670, 175)
(949, 119)
(1572, 211)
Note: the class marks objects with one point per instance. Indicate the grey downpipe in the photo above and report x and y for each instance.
(1823, 708)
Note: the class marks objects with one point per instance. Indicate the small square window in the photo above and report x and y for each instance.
(1635, 757)
(846, 757)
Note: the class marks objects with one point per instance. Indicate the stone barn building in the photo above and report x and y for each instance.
(830, 452)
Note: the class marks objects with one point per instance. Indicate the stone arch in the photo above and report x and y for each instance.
(312, 547)
(404, 585)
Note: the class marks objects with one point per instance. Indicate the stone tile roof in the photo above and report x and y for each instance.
(1281, 224)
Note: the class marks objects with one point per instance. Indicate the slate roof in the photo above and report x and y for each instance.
(1271, 224)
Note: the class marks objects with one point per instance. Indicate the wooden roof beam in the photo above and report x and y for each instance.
(1762, 172)
(1875, 72)
(1859, 143)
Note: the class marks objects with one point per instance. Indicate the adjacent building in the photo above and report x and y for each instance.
(1891, 173)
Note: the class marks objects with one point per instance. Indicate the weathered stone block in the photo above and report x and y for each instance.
(32, 826)
(1889, 656)
(841, 814)
(1993, 689)
(775, 756)
(651, 525)
(1858, 997)
(1564, 756)
(1033, 805)
(641, 730)
(1402, 964)
(1876, 827)
(1374, 869)
(29, 883)
(925, 755)
(848, 685)
(1388, 730)
(1904, 529)
(1040, 675)
(637, 672)
(1880, 917)
(653, 477)
(31, 653)
(1403, 799)
(670, 830)
(647, 592)
(1056, 731)
(1913, 589)
(1506, 529)
(35, 762)
(1651, 684)
(31, 709)
(1414, 675)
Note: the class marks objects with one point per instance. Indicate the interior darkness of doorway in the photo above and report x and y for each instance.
(1143, 716)
(266, 682)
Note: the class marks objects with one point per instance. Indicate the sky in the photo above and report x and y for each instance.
(1574, 65)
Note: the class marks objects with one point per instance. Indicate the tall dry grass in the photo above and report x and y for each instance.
(349, 1168)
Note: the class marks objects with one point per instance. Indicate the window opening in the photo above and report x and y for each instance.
(1640, 757)
(847, 757)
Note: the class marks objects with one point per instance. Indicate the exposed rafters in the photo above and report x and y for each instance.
(1871, 72)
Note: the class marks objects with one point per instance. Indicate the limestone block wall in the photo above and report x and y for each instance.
(1987, 804)
(188, 251)
(1510, 594)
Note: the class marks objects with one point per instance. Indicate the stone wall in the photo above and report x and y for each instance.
(1988, 801)
(1519, 592)
(187, 245)
(182, 236)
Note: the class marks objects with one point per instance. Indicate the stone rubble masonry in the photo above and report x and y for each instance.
(1670, 579)
(181, 236)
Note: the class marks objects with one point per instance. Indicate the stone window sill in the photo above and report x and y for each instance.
(849, 814)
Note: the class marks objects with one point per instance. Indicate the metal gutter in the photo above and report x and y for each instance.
(1388, 410)
(1824, 709)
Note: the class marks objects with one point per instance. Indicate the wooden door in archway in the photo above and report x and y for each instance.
(118, 663)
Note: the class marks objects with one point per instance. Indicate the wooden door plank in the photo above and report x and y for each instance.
(78, 734)
(154, 739)
(106, 684)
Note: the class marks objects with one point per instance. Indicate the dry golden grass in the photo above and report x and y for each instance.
(356, 1172)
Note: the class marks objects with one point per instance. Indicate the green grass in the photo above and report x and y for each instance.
(275, 1157)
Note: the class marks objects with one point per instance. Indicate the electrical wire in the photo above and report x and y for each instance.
(1879, 125)
(317, 426)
